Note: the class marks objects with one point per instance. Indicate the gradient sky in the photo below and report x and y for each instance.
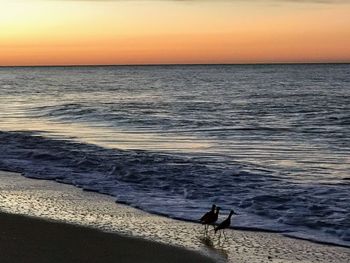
(67, 32)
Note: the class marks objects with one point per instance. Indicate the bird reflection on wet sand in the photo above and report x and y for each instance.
(215, 248)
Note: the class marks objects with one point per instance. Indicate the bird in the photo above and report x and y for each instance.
(225, 224)
(210, 217)
(207, 216)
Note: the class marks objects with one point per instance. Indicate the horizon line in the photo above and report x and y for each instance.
(174, 64)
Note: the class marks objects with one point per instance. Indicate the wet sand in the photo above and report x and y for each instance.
(63, 203)
(25, 239)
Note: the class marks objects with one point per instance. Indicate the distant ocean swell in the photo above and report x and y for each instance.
(183, 186)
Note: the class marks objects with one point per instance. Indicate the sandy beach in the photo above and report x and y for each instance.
(100, 230)
(25, 239)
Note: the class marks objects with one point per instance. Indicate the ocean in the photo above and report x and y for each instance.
(271, 142)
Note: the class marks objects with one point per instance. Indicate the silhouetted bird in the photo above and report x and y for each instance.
(210, 217)
(207, 216)
(225, 224)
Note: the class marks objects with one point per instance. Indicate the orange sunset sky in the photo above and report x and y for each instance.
(66, 32)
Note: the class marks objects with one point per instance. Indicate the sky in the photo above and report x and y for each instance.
(112, 32)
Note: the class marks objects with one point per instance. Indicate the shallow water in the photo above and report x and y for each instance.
(271, 141)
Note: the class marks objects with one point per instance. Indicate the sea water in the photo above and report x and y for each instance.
(271, 142)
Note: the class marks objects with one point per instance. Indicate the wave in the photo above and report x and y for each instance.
(199, 117)
(184, 186)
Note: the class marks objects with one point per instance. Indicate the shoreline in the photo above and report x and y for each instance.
(237, 228)
(63, 203)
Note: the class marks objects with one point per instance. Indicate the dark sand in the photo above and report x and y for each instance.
(25, 239)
